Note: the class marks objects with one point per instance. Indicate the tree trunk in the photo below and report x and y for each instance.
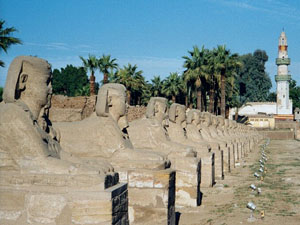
(211, 99)
(128, 97)
(139, 100)
(173, 98)
(223, 88)
(236, 114)
(202, 101)
(105, 78)
(92, 84)
(199, 99)
(186, 101)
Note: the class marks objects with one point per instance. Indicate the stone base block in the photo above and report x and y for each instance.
(36, 200)
(151, 196)
(219, 165)
(188, 178)
(232, 155)
(237, 152)
(208, 170)
(227, 159)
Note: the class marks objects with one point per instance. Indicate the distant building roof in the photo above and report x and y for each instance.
(260, 103)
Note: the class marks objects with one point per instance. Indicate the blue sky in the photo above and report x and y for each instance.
(154, 34)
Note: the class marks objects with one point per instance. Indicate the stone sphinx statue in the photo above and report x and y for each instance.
(150, 131)
(104, 135)
(36, 174)
(193, 134)
(178, 134)
(233, 133)
(156, 136)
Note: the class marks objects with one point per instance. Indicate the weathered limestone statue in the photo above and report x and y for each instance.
(237, 139)
(104, 135)
(177, 133)
(209, 132)
(150, 132)
(40, 183)
(193, 134)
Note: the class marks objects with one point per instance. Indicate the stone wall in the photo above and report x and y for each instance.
(279, 134)
(69, 109)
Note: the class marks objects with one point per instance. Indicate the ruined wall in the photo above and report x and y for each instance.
(279, 134)
(68, 109)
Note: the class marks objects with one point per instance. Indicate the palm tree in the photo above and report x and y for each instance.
(132, 79)
(6, 40)
(91, 64)
(226, 66)
(211, 69)
(156, 87)
(194, 74)
(172, 86)
(105, 64)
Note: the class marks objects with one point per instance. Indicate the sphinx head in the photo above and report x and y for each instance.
(206, 119)
(111, 101)
(177, 114)
(157, 109)
(214, 120)
(226, 123)
(221, 121)
(29, 81)
(193, 117)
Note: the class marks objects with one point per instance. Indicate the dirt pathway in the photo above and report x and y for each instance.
(225, 204)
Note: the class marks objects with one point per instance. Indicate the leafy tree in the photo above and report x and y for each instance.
(105, 64)
(1, 93)
(6, 39)
(172, 86)
(84, 91)
(91, 64)
(69, 80)
(294, 94)
(272, 97)
(253, 81)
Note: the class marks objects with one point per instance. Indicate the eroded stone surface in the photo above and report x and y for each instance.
(39, 180)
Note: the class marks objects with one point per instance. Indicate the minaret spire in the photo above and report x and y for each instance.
(284, 104)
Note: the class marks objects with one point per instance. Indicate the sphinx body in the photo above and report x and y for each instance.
(193, 134)
(150, 132)
(104, 135)
(34, 167)
(178, 134)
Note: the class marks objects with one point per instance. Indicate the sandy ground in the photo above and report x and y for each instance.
(280, 198)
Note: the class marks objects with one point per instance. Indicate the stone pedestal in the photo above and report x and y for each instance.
(219, 164)
(227, 159)
(208, 171)
(188, 178)
(151, 196)
(59, 200)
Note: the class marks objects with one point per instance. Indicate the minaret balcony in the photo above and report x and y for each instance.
(283, 77)
(283, 61)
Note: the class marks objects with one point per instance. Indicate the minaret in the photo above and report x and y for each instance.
(284, 104)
